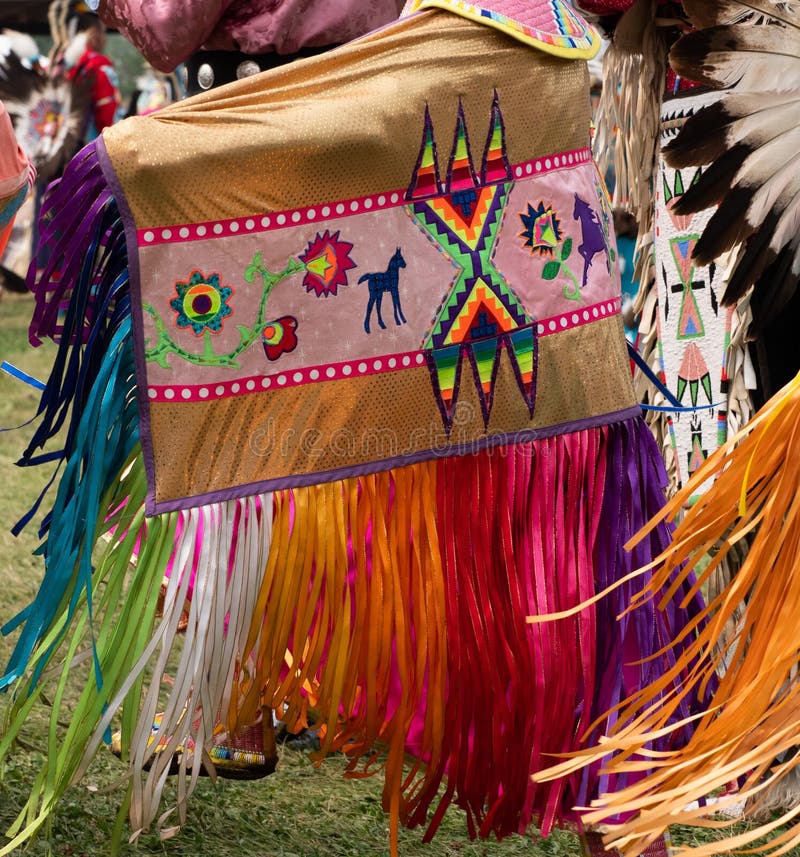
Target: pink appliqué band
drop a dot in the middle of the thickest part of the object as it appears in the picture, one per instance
(355, 368)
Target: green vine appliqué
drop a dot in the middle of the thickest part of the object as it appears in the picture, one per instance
(165, 345)
(558, 267)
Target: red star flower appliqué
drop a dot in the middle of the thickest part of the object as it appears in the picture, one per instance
(327, 261)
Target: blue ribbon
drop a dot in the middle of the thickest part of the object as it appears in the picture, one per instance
(21, 376)
(674, 407)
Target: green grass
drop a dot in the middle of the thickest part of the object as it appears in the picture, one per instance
(19, 571)
(300, 811)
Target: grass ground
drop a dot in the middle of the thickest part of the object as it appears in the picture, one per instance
(300, 811)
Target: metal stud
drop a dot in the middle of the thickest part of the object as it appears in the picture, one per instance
(247, 69)
(205, 76)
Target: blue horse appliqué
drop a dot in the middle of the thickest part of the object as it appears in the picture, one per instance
(593, 239)
(385, 281)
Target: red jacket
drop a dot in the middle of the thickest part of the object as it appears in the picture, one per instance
(98, 70)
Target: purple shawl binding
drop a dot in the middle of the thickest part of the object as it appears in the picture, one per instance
(134, 279)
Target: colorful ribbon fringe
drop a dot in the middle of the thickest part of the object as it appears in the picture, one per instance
(398, 599)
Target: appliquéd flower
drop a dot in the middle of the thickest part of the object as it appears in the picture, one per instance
(202, 303)
(279, 337)
(542, 232)
(327, 261)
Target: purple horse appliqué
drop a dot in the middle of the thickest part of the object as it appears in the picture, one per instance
(593, 239)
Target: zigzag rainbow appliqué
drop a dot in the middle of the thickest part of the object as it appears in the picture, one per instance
(480, 310)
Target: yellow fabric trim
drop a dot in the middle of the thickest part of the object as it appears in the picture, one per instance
(585, 53)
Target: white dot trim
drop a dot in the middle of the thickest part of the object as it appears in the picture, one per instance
(243, 386)
(346, 207)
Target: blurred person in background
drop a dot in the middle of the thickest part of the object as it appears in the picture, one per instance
(79, 41)
(56, 104)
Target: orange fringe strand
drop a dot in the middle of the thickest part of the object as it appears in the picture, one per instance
(751, 641)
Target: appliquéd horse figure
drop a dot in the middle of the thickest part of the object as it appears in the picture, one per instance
(385, 281)
(593, 238)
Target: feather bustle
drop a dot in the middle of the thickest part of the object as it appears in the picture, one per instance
(709, 13)
(751, 139)
(760, 59)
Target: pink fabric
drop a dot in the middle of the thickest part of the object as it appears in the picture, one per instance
(98, 70)
(168, 32)
(15, 173)
(13, 161)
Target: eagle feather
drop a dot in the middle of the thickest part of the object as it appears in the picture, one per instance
(750, 49)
